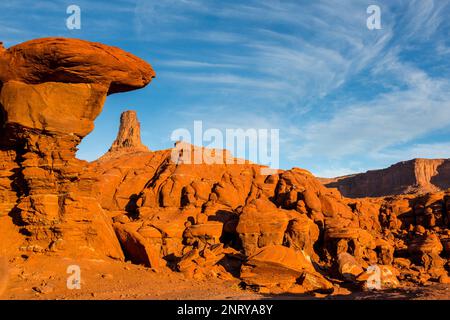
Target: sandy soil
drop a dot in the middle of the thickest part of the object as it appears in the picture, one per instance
(45, 277)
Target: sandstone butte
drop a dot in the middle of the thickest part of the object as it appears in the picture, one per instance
(278, 233)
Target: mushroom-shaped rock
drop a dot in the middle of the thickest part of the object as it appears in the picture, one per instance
(74, 61)
(52, 90)
(59, 85)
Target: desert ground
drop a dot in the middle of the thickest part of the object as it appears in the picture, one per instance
(113, 280)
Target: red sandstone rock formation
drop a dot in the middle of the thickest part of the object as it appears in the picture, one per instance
(4, 275)
(416, 176)
(129, 136)
(280, 233)
(284, 232)
(74, 61)
(51, 92)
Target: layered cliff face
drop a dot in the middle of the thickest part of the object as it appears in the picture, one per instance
(416, 176)
(51, 92)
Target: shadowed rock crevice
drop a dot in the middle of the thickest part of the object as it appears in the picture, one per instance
(442, 177)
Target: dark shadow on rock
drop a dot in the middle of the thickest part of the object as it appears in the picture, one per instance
(388, 294)
(442, 178)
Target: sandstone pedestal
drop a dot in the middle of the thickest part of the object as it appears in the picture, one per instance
(51, 92)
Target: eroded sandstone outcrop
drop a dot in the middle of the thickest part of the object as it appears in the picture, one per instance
(129, 136)
(51, 92)
(283, 232)
(65, 60)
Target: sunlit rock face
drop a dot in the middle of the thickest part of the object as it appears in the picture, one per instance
(417, 176)
(52, 90)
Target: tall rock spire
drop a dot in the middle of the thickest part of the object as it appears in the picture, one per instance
(129, 135)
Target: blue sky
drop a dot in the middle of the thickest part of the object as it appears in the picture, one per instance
(345, 98)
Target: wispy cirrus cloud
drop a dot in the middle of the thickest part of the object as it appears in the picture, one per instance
(392, 118)
(418, 150)
(341, 91)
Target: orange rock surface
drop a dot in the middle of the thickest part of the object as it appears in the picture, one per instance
(129, 135)
(181, 210)
(74, 61)
(278, 233)
(51, 92)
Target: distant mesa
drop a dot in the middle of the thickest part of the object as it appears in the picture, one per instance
(415, 176)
